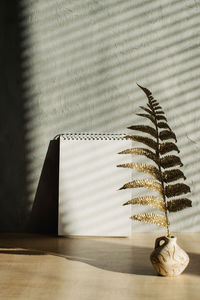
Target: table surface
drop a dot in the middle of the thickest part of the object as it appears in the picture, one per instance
(92, 268)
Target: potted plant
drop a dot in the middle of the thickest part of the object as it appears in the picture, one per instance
(167, 258)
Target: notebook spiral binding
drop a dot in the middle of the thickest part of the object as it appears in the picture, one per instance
(90, 136)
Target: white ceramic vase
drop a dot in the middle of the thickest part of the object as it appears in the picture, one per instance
(168, 258)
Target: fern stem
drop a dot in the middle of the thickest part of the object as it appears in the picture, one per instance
(159, 167)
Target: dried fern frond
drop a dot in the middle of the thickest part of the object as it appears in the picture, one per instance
(176, 190)
(147, 141)
(161, 132)
(151, 218)
(172, 175)
(178, 204)
(166, 135)
(141, 151)
(144, 183)
(153, 201)
(168, 147)
(144, 128)
(141, 167)
(170, 161)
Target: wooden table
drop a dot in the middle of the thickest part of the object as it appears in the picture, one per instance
(44, 267)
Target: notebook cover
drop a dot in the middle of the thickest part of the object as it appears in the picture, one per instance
(90, 203)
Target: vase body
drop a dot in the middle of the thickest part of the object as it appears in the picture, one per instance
(168, 258)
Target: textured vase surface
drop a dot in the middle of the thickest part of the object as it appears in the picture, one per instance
(168, 258)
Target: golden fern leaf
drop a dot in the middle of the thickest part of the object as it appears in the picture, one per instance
(163, 125)
(169, 161)
(172, 175)
(166, 135)
(178, 204)
(149, 169)
(152, 218)
(141, 151)
(150, 117)
(176, 190)
(144, 183)
(147, 141)
(153, 201)
(144, 128)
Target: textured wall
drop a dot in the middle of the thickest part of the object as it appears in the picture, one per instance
(80, 61)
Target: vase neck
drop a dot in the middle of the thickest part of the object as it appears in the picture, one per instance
(172, 239)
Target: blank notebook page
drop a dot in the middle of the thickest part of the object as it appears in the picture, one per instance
(90, 202)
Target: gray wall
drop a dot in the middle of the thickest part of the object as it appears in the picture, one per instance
(72, 66)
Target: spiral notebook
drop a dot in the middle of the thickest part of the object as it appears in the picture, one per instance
(90, 203)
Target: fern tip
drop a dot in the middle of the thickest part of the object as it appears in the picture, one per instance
(145, 90)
